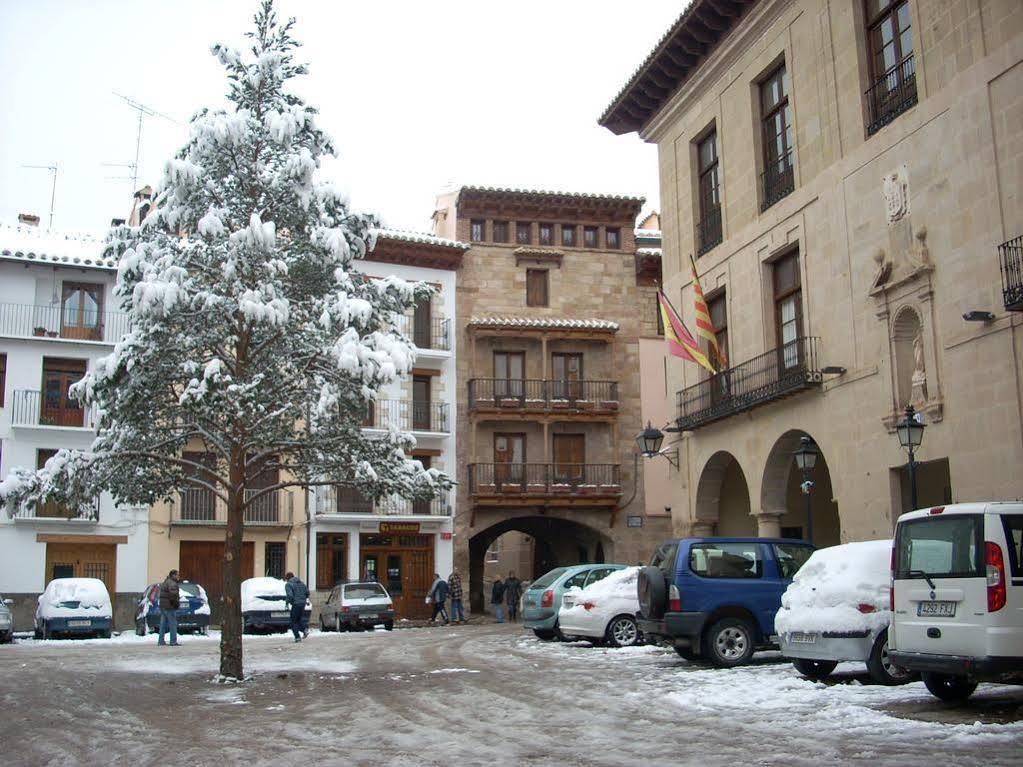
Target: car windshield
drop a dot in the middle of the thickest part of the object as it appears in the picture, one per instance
(547, 579)
(188, 589)
(364, 591)
(940, 547)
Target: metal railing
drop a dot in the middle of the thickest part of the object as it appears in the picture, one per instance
(28, 409)
(198, 506)
(537, 394)
(437, 337)
(892, 94)
(777, 181)
(708, 230)
(544, 479)
(55, 510)
(1010, 261)
(771, 376)
(408, 415)
(339, 499)
(49, 321)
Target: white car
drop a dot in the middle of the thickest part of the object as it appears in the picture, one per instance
(6, 621)
(356, 606)
(957, 595)
(836, 609)
(264, 607)
(72, 606)
(603, 611)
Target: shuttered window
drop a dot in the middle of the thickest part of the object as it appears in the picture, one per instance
(536, 287)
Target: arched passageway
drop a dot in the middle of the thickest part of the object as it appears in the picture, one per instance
(783, 502)
(722, 499)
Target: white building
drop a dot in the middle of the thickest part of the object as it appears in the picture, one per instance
(58, 316)
(398, 542)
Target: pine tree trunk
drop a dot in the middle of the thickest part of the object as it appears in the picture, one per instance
(231, 621)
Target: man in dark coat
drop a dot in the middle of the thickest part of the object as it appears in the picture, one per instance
(512, 594)
(170, 601)
(295, 595)
(497, 599)
(455, 592)
(438, 595)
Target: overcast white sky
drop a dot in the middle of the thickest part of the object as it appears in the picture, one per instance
(418, 96)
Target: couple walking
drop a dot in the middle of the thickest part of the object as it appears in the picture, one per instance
(439, 593)
(506, 592)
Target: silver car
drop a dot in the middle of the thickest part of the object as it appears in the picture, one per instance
(6, 621)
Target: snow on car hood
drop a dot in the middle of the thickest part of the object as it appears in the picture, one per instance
(70, 597)
(825, 592)
(616, 593)
(254, 591)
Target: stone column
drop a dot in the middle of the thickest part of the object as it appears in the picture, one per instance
(769, 524)
(703, 528)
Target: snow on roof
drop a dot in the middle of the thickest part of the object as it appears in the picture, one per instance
(553, 193)
(648, 252)
(545, 322)
(641, 233)
(29, 243)
(420, 237)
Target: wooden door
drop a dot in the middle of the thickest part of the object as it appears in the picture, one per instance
(509, 458)
(83, 560)
(203, 562)
(331, 555)
(568, 375)
(51, 509)
(569, 458)
(421, 403)
(82, 311)
(422, 321)
(58, 407)
(509, 374)
(418, 579)
(422, 507)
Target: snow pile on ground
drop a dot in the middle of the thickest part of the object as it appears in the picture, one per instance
(616, 593)
(825, 592)
(75, 596)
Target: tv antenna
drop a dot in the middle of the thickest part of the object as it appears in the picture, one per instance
(53, 189)
(144, 111)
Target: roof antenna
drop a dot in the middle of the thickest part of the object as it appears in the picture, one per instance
(144, 111)
(53, 191)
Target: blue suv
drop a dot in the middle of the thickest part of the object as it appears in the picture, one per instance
(716, 598)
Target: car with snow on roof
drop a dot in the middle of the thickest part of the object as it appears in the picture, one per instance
(716, 598)
(6, 621)
(355, 606)
(193, 613)
(74, 607)
(603, 611)
(836, 609)
(541, 601)
(264, 607)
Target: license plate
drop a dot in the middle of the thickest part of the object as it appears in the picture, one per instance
(802, 637)
(79, 624)
(936, 609)
(530, 602)
(280, 614)
(369, 616)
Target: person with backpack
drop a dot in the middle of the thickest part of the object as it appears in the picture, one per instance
(497, 599)
(437, 596)
(295, 595)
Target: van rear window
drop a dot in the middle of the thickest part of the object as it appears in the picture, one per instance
(1014, 538)
(941, 547)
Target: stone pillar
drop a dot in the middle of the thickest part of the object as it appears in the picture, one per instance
(769, 524)
(703, 528)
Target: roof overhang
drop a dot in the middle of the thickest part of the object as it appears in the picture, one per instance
(541, 204)
(416, 249)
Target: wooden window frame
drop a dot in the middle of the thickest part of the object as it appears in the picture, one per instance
(523, 227)
(482, 224)
(78, 328)
(782, 294)
(568, 235)
(872, 23)
(591, 237)
(503, 388)
(62, 369)
(500, 231)
(719, 299)
(281, 546)
(613, 232)
(421, 420)
(532, 278)
(547, 229)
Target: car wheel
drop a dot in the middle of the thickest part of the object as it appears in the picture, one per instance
(881, 669)
(37, 632)
(948, 686)
(141, 627)
(388, 625)
(729, 642)
(815, 670)
(47, 634)
(623, 632)
(545, 634)
(686, 652)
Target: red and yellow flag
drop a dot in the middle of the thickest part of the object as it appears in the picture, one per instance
(680, 341)
(704, 326)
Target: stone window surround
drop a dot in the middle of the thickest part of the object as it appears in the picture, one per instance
(512, 224)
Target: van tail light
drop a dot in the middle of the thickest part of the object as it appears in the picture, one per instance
(865, 608)
(995, 577)
(891, 584)
(547, 600)
(589, 605)
(674, 599)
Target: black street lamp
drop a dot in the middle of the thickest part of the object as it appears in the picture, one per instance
(806, 459)
(911, 434)
(649, 442)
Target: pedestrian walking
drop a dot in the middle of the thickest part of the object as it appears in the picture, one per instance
(437, 596)
(170, 601)
(295, 595)
(455, 592)
(497, 599)
(512, 594)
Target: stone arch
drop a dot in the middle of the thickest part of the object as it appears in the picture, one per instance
(906, 329)
(722, 498)
(782, 503)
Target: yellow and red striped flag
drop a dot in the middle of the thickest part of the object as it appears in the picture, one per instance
(680, 341)
(704, 326)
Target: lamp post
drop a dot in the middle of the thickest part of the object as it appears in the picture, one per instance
(911, 434)
(806, 459)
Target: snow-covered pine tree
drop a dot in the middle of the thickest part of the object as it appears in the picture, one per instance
(252, 337)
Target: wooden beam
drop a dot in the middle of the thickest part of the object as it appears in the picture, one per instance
(58, 538)
(711, 20)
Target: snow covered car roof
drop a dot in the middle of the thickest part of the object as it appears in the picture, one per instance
(66, 597)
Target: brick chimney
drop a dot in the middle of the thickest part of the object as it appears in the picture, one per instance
(28, 219)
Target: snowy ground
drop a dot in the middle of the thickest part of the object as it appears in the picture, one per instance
(469, 695)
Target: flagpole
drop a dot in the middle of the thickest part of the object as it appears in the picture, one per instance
(668, 301)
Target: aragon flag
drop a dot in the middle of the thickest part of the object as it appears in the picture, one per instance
(680, 341)
(704, 327)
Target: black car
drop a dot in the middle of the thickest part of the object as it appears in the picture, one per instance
(193, 613)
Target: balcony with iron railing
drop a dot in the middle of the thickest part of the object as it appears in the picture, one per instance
(200, 507)
(561, 399)
(708, 230)
(549, 484)
(51, 321)
(339, 499)
(58, 512)
(779, 373)
(432, 335)
(29, 409)
(893, 93)
(777, 181)
(1010, 262)
(408, 415)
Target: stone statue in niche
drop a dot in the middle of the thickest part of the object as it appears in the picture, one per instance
(895, 188)
(919, 255)
(918, 389)
(884, 269)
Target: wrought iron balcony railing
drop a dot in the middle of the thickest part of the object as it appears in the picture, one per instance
(338, 499)
(433, 335)
(545, 479)
(55, 510)
(778, 373)
(892, 94)
(29, 408)
(49, 321)
(408, 415)
(1010, 261)
(777, 181)
(532, 394)
(708, 230)
(198, 506)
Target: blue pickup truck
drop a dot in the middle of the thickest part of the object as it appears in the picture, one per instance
(715, 598)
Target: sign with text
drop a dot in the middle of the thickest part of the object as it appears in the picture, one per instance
(391, 528)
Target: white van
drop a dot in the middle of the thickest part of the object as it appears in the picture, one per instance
(957, 596)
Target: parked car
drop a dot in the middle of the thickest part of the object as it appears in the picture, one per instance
(353, 606)
(193, 613)
(263, 605)
(716, 598)
(542, 600)
(6, 621)
(603, 611)
(836, 609)
(957, 596)
(71, 606)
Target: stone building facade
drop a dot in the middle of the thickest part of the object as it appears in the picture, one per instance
(552, 302)
(847, 177)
